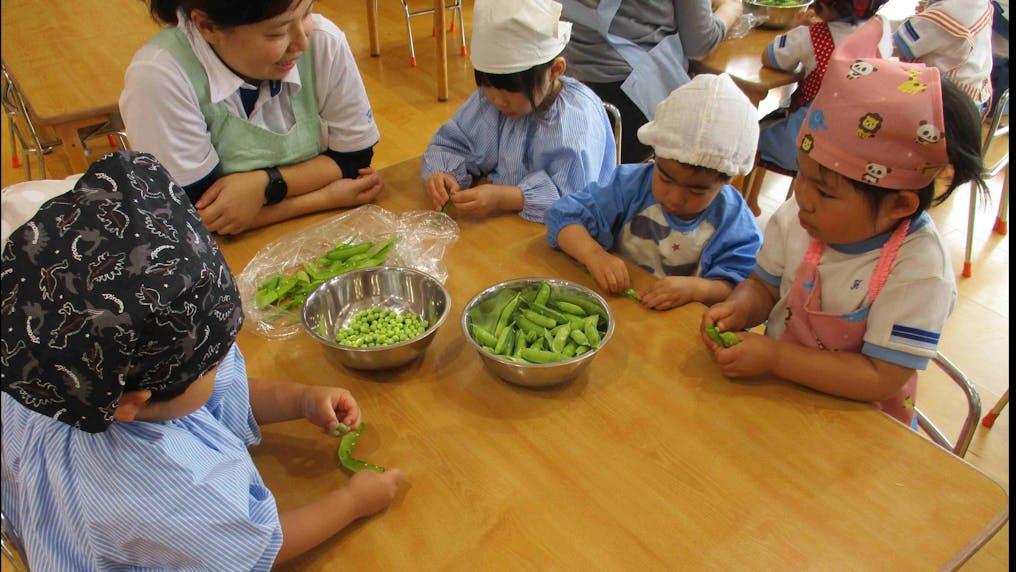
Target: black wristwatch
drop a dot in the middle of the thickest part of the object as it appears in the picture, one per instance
(276, 188)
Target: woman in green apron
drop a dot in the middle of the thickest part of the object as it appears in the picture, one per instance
(255, 107)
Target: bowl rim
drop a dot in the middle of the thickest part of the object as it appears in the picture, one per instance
(525, 280)
(330, 343)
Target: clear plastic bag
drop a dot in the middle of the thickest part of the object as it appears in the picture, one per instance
(745, 24)
(422, 239)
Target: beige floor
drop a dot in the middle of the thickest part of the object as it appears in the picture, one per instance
(976, 337)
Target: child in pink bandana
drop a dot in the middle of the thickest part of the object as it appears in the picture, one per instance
(853, 278)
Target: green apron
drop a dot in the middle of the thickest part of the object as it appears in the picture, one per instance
(241, 145)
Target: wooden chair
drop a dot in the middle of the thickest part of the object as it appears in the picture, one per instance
(962, 443)
(995, 131)
(34, 137)
(11, 546)
(989, 419)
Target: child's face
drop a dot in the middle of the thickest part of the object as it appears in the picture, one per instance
(832, 209)
(263, 50)
(684, 191)
(514, 105)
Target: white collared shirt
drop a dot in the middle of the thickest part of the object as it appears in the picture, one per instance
(163, 117)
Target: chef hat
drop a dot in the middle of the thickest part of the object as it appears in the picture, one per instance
(510, 36)
(875, 120)
(707, 122)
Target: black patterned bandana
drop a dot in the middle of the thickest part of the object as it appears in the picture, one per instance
(115, 286)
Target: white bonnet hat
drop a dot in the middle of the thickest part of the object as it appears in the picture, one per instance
(510, 36)
(708, 122)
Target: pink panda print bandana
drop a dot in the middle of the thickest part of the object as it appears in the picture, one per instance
(874, 120)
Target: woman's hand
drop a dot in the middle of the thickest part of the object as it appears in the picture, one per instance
(327, 406)
(230, 205)
(440, 187)
(354, 192)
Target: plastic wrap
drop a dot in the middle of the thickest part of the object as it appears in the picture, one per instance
(422, 237)
(745, 24)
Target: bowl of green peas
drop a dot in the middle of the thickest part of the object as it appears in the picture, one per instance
(377, 318)
(779, 14)
(537, 332)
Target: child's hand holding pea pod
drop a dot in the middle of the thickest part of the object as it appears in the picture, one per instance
(725, 339)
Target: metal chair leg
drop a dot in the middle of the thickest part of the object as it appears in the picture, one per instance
(409, 31)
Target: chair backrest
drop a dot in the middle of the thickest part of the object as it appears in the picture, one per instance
(962, 443)
(614, 114)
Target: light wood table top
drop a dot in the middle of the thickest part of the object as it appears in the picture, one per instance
(68, 63)
(650, 460)
(741, 58)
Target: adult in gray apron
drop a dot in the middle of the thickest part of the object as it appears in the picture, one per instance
(633, 54)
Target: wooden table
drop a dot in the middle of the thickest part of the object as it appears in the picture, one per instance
(650, 460)
(69, 63)
(440, 22)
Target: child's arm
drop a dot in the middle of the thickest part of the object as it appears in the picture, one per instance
(746, 307)
(844, 374)
(324, 406)
(610, 272)
(367, 493)
(674, 291)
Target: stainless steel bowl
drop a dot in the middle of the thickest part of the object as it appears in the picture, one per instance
(537, 375)
(778, 17)
(331, 307)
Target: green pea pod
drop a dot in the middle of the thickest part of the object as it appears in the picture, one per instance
(569, 349)
(264, 298)
(539, 319)
(542, 356)
(506, 314)
(543, 294)
(504, 341)
(585, 303)
(561, 338)
(577, 322)
(579, 337)
(520, 344)
(569, 308)
(729, 339)
(630, 293)
(482, 336)
(528, 325)
(551, 313)
(346, 452)
(592, 334)
(714, 334)
(538, 344)
(347, 252)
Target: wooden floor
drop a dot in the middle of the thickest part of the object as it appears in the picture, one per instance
(976, 338)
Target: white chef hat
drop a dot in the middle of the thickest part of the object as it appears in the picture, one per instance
(708, 122)
(510, 36)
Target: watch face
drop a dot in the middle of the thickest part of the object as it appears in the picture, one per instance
(276, 189)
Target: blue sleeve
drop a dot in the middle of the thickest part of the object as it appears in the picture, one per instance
(230, 401)
(466, 145)
(576, 152)
(730, 253)
(603, 207)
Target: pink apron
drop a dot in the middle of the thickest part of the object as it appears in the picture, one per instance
(809, 326)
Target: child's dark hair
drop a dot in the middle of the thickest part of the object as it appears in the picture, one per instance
(225, 13)
(963, 146)
(527, 81)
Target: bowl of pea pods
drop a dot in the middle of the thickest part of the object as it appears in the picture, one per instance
(537, 332)
(376, 318)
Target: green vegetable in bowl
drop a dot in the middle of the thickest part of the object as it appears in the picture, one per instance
(536, 324)
(377, 326)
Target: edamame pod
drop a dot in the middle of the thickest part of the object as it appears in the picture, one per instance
(542, 356)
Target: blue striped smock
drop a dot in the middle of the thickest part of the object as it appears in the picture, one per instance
(547, 157)
(180, 495)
